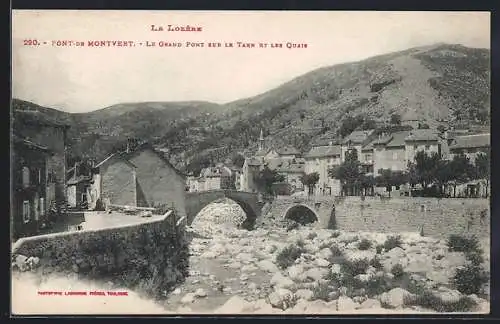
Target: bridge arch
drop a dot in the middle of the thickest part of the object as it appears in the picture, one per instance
(301, 214)
(248, 202)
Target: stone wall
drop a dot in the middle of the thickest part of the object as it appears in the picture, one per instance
(149, 257)
(440, 217)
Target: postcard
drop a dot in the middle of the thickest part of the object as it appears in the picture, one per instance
(250, 162)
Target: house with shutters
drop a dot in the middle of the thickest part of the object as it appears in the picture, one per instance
(28, 186)
(320, 159)
(140, 177)
(471, 145)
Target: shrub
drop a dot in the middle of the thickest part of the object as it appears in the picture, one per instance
(475, 258)
(335, 234)
(332, 277)
(364, 244)
(397, 271)
(460, 243)
(376, 286)
(379, 248)
(355, 267)
(429, 300)
(470, 279)
(312, 236)
(375, 262)
(289, 254)
(321, 291)
(336, 251)
(392, 242)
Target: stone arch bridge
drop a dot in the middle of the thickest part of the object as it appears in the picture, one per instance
(252, 204)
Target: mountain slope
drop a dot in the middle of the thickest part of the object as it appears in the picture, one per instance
(431, 84)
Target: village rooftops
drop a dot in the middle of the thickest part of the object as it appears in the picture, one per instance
(471, 141)
(358, 137)
(291, 168)
(127, 155)
(253, 161)
(422, 135)
(288, 151)
(323, 151)
(215, 172)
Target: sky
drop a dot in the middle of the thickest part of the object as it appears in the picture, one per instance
(81, 79)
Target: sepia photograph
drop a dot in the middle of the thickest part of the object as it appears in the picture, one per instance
(250, 162)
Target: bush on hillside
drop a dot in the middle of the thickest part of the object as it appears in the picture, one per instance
(461, 243)
(364, 244)
(392, 242)
(288, 255)
(470, 279)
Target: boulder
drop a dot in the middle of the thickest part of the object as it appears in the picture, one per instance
(370, 303)
(448, 295)
(244, 257)
(305, 294)
(418, 263)
(188, 298)
(316, 273)
(267, 265)
(200, 293)
(353, 255)
(280, 281)
(325, 253)
(235, 305)
(321, 263)
(346, 304)
(336, 268)
(394, 298)
(280, 298)
(296, 272)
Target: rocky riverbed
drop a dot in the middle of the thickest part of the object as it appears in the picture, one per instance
(317, 271)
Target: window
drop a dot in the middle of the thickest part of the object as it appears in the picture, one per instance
(26, 211)
(35, 209)
(26, 177)
(42, 206)
(39, 175)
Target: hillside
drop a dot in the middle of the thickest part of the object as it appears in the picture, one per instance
(433, 84)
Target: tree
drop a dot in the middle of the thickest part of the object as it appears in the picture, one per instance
(349, 172)
(238, 160)
(426, 167)
(461, 169)
(367, 183)
(265, 179)
(395, 119)
(310, 180)
(482, 168)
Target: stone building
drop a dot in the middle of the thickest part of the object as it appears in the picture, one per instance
(28, 187)
(471, 145)
(320, 159)
(140, 177)
(46, 132)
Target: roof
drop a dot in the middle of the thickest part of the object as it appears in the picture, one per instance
(471, 141)
(358, 136)
(217, 171)
(74, 180)
(289, 150)
(291, 168)
(111, 157)
(323, 151)
(423, 135)
(261, 152)
(29, 144)
(253, 161)
(398, 139)
(382, 140)
(367, 147)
